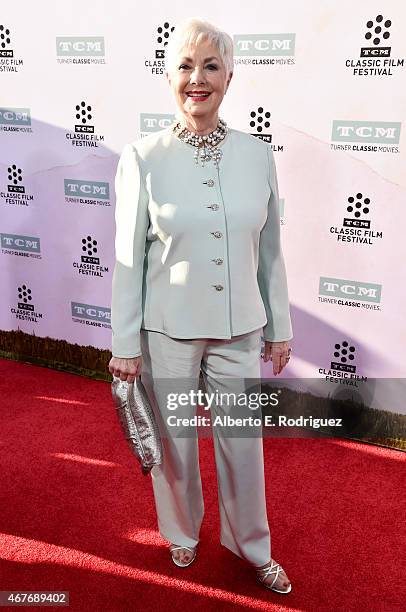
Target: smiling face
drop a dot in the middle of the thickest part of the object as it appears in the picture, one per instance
(199, 81)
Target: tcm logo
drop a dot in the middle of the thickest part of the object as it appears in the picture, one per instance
(28, 244)
(91, 313)
(344, 356)
(15, 116)
(25, 296)
(164, 33)
(5, 41)
(337, 287)
(259, 121)
(264, 44)
(154, 122)
(15, 176)
(366, 131)
(87, 189)
(79, 46)
(377, 32)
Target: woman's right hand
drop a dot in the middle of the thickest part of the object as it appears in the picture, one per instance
(126, 368)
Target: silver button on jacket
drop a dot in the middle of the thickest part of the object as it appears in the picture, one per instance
(164, 275)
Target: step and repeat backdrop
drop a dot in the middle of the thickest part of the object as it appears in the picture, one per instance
(322, 82)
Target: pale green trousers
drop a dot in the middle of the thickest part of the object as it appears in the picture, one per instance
(173, 366)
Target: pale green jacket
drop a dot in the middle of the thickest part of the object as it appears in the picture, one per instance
(198, 251)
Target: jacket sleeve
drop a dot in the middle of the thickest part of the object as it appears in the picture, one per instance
(271, 276)
(131, 216)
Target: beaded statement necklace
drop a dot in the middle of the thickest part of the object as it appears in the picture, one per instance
(206, 146)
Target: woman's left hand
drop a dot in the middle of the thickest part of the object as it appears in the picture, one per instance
(279, 353)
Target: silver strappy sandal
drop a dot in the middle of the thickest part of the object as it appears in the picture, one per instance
(276, 569)
(191, 550)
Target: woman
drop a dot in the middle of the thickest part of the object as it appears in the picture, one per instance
(199, 276)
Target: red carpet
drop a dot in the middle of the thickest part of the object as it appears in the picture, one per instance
(77, 515)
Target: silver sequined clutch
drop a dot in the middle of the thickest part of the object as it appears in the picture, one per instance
(138, 422)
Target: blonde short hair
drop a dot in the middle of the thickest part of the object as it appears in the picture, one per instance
(190, 32)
